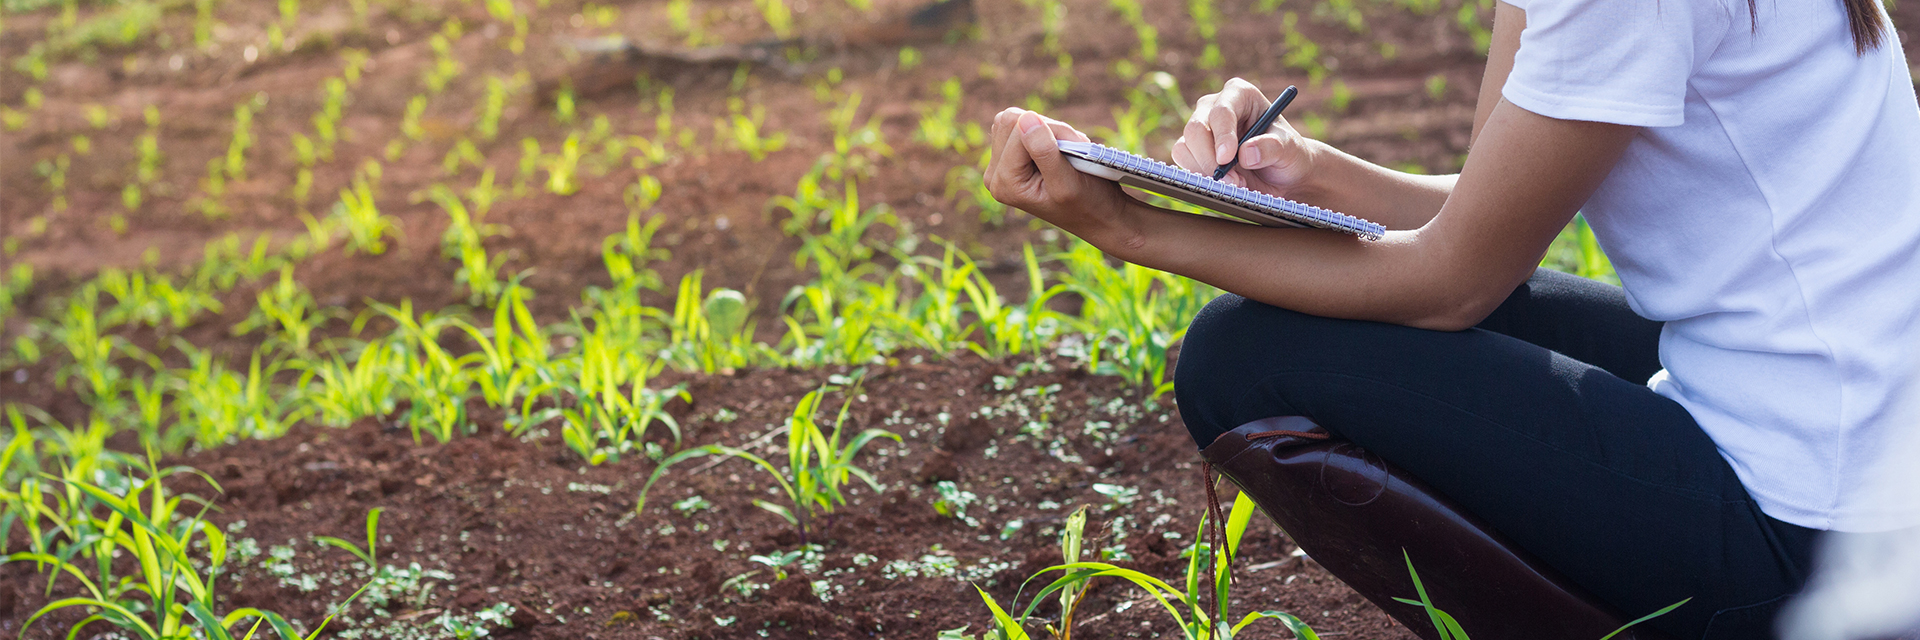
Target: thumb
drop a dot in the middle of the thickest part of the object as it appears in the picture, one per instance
(1038, 138)
(1268, 150)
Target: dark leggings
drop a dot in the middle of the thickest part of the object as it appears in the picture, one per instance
(1538, 421)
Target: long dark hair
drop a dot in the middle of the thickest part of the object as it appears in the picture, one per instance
(1863, 18)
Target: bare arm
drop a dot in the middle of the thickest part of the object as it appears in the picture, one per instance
(1523, 182)
(1525, 178)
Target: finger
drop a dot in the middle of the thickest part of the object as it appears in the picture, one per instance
(1064, 131)
(1003, 127)
(1247, 103)
(1198, 140)
(1012, 169)
(1042, 146)
(1243, 98)
(1269, 150)
(1183, 158)
(1225, 125)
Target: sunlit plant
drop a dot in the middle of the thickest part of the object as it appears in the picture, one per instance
(819, 464)
(1207, 576)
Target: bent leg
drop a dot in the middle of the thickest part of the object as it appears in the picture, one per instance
(1599, 477)
(1583, 319)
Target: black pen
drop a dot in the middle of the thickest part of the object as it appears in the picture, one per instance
(1259, 126)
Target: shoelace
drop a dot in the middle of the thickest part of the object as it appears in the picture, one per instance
(1217, 530)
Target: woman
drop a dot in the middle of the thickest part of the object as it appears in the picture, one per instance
(1753, 171)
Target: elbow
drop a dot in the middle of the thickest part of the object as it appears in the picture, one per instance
(1459, 308)
(1456, 317)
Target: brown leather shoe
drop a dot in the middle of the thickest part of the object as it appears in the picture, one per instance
(1353, 513)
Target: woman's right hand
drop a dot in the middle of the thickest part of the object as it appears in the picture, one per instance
(1279, 161)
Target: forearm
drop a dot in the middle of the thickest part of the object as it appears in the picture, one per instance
(1350, 185)
(1323, 273)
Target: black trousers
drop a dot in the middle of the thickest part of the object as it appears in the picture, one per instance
(1538, 421)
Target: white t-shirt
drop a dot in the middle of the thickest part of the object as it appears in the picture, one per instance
(1769, 213)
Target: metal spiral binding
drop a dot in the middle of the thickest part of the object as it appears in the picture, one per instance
(1161, 172)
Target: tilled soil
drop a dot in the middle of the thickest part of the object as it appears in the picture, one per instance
(525, 522)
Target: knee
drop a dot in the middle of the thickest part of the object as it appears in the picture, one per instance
(1219, 353)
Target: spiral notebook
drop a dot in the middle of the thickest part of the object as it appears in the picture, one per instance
(1174, 182)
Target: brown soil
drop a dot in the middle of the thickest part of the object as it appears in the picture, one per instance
(497, 512)
(1392, 119)
(525, 523)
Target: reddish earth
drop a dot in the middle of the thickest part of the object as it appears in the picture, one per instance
(496, 512)
(527, 524)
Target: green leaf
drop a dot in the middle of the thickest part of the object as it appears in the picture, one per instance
(1663, 611)
(1237, 521)
(1006, 627)
(209, 624)
(1296, 625)
(778, 510)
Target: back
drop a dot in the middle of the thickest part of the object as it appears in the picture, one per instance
(1769, 213)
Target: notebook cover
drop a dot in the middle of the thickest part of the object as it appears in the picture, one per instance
(1180, 184)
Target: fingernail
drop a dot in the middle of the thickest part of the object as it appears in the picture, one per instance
(1250, 155)
(1028, 122)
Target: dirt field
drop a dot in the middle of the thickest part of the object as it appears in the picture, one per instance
(527, 524)
(492, 519)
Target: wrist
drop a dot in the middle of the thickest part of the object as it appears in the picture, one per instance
(1327, 169)
(1124, 235)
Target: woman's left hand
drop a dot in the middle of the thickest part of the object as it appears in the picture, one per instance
(1029, 172)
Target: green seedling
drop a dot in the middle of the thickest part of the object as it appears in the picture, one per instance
(779, 18)
(366, 227)
(465, 237)
(1450, 629)
(152, 299)
(680, 14)
(516, 359)
(1131, 314)
(224, 265)
(445, 66)
(1206, 574)
(953, 502)
(289, 312)
(818, 464)
(604, 422)
(1577, 251)
(969, 181)
(778, 561)
(561, 168)
(850, 136)
(435, 380)
(1148, 51)
(19, 281)
(410, 121)
(326, 123)
(171, 595)
(55, 173)
(348, 385)
(743, 128)
(1011, 330)
(118, 27)
(236, 158)
(712, 333)
(1341, 12)
(91, 353)
(1206, 25)
(564, 104)
(1301, 52)
(215, 405)
(939, 125)
(495, 104)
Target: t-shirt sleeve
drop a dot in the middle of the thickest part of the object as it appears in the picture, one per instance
(1619, 61)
